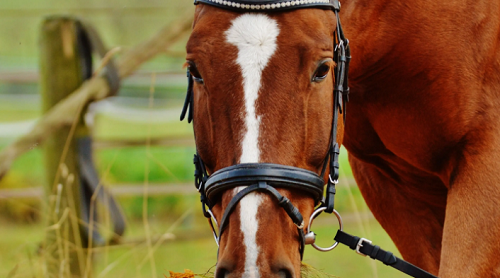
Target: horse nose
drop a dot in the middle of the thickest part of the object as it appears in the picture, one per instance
(225, 267)
(224, 273)
(225, 270)
(285, 273)
(221, 272)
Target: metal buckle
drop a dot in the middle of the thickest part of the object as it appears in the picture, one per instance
(310, 236)
(332, 180)
(360, 244)
(339, 45)
(301, 226)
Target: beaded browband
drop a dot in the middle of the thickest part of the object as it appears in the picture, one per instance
(271, 5)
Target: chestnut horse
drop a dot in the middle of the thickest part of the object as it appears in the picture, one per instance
(421, 128)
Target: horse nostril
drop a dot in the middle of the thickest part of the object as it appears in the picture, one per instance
(221, 273)
(285, 273)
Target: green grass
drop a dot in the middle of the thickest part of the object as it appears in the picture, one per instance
(10, 115)
(112, 128)
(193, 249)
(120, 22)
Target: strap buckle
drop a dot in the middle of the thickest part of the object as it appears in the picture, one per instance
(360, 244)
(336, 181)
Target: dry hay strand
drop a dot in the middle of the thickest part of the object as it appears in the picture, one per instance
(189, 274)
(306, 271)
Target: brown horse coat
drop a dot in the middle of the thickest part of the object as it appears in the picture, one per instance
(423, 128)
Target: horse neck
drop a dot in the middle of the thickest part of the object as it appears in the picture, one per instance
(364, 26)
(378, 29)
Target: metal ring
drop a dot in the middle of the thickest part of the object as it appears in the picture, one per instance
(311, 219)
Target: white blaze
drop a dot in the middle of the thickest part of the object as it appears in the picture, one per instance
(255, 37)
(249, 226)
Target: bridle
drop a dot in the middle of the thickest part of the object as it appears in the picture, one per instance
(266, 177)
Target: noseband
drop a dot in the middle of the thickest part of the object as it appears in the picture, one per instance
(266, 177)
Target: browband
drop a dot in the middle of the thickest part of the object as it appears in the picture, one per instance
(275, 175)
(271, 5)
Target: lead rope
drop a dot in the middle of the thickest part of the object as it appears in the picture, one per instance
(364, 247)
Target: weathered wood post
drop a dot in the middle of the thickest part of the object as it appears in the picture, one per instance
(62, 71)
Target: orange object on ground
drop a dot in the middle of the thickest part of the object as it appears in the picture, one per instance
(187, 274)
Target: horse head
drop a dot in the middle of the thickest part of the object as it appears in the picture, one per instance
(264, 114)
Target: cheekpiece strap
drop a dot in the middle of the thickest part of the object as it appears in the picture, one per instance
(342, 57)
(188, 102)
(200, 179)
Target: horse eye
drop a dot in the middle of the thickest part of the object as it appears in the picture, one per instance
(195, 73)
(321, 72)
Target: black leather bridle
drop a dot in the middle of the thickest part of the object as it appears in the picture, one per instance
(266, 177)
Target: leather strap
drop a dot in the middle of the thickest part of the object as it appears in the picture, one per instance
(270, 5)
(188, 102)
(276, 175)
(377, 253)
(283, 202)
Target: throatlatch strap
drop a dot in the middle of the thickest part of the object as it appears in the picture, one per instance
(377, 253)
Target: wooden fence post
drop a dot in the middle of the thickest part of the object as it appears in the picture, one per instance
(62, 71)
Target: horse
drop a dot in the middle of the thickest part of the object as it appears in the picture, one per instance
(420, 129)
(423, 129)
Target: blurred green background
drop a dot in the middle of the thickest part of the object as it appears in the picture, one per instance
(174, 223)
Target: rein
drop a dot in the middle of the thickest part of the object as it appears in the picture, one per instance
(266, 177)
